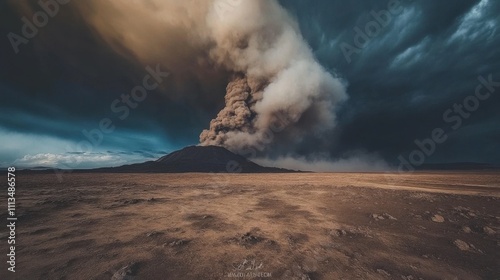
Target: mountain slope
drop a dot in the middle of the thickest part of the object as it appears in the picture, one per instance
(203, 159)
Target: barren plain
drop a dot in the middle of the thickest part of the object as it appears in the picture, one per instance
(440, 225)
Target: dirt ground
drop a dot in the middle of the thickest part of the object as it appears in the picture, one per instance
(256, 226)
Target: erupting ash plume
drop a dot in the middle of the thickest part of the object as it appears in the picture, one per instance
(238, 114)
(275, 81)
(280, 83)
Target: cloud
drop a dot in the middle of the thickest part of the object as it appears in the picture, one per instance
(426, 60)
(254, 39)
(62, 160)
(360, 163)
(36, 149)
(81, 160)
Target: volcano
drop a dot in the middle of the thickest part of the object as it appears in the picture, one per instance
(197, 159)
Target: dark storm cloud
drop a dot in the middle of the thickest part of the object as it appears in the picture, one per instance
(427, 59)
(401, 82)
(65, 79)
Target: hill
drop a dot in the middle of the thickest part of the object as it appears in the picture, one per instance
(202, 159)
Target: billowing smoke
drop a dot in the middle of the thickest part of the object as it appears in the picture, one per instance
(275, 83)
(280, 87)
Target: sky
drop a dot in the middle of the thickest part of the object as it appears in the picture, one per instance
(421, 78)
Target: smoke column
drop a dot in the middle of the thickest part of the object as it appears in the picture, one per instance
(279, 81)
(275, 81)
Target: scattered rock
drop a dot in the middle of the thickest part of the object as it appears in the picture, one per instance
(437, 218)
(153, 233)
(125, 273)
(248, 239)
(489, 231)
(377, 217)
(390, 217)
(178, 243)
(462, 245)
(466, 229)
(382, 217)
(383, 272)
(464, 216)
(304, 277)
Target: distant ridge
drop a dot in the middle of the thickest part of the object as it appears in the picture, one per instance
(457, 166)
(196, 159)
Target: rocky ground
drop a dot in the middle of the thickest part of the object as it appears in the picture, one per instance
(263, 226)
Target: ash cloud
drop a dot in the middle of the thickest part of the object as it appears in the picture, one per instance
(275, 77)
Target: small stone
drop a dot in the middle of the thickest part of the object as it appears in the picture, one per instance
(466, 229)
(381, 216)
(383, 272)
(489, 231)
(437, 219)
(125, 273)
(335, 233)
(177, 243)
(152, 233)
(462, 245)
(465, 216)
(390, 217)
(305, 277)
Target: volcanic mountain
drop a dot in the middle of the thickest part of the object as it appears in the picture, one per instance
(202, 159)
